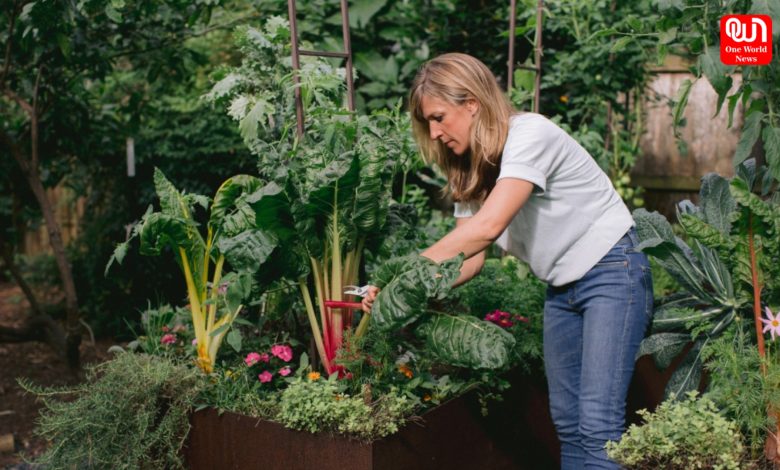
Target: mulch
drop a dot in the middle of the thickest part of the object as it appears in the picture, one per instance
(37, 363)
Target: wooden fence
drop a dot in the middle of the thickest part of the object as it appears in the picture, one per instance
(69, 211)
(667, 174)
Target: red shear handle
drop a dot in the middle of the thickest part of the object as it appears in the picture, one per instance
(340, 304)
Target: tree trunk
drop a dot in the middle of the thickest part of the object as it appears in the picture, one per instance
(39, 326)
(31, 173)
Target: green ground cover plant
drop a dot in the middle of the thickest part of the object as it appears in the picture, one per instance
(683, 434)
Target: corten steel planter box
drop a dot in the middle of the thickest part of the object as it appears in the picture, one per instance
(453, 436)
(517, 434)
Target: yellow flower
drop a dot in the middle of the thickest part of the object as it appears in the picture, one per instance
(564, 99)
(314, 376)
(404, 369)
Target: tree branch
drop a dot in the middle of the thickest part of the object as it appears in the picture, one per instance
(27, 107)
(7, 63)
(34, 122)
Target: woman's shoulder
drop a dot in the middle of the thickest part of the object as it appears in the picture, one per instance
(532, 127)
(525, 120)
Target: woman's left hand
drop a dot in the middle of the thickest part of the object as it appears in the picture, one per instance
(369, 298)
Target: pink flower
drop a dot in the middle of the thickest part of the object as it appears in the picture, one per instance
(194, 341)
(265, 358)
(265, 376)
(168, 339)
(500, 318)
(285, 371)
(771, 323)
(252, 359)
(282, 351)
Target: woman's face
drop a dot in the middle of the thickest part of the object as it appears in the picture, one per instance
(450, 123)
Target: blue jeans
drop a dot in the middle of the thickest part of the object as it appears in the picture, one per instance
(592, 331)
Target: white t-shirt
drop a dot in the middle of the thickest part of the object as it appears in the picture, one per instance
(574, 215)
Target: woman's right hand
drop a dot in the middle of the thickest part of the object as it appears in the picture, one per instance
(369, 298)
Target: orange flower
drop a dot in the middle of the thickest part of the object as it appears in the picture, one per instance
(426, 397)
(314, 376)
(404, 369)
(564, 99)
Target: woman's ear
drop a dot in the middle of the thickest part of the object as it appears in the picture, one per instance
(472, 105)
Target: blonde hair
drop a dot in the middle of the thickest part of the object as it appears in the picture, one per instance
(456, 78)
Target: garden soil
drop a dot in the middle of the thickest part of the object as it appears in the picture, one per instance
(37, 363)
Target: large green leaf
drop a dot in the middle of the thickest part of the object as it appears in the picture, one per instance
(717, 275)
(171, 200)
(373, 193)
(652, 228)
(248, 250)
(688, 374)
(361, 12)
(657, 239)
(716, 72)
(272, 211)
(768, 212)
(230, 211)
(675, 317)
(405, 297)
(664, 347)
(697, 228)
(772, 149)
(159, 231)
(717, 203)
(751, 130)
(680, 103)
(323, 193)
(467, 341)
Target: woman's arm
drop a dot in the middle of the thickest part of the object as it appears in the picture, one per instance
(472, 266)
(478, 232)
(473, 234)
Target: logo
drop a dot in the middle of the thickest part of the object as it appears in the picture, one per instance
(746, 39)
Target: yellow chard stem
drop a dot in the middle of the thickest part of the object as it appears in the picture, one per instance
(206, 258)
(363, 325)
(315, 329)
(198, 321)
(212, 309)
(216, 341)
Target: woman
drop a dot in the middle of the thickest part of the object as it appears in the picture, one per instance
(520, 181)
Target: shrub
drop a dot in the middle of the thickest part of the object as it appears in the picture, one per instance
(680, 435)
(131, 413)
(316, 404)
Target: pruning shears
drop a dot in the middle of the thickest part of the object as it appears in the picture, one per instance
(359, 291)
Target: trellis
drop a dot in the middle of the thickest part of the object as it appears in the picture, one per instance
(347, 55)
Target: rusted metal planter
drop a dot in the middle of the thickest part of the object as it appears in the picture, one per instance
(453, 436)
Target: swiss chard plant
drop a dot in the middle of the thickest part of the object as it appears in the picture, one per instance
(327, 191)
(728, 265)
(407, 285)
(231, 237)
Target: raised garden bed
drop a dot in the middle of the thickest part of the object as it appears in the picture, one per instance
(517, 434)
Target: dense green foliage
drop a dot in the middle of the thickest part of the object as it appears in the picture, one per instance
(680, 435)
(133, 412)
(714, 270)
(323, 405)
